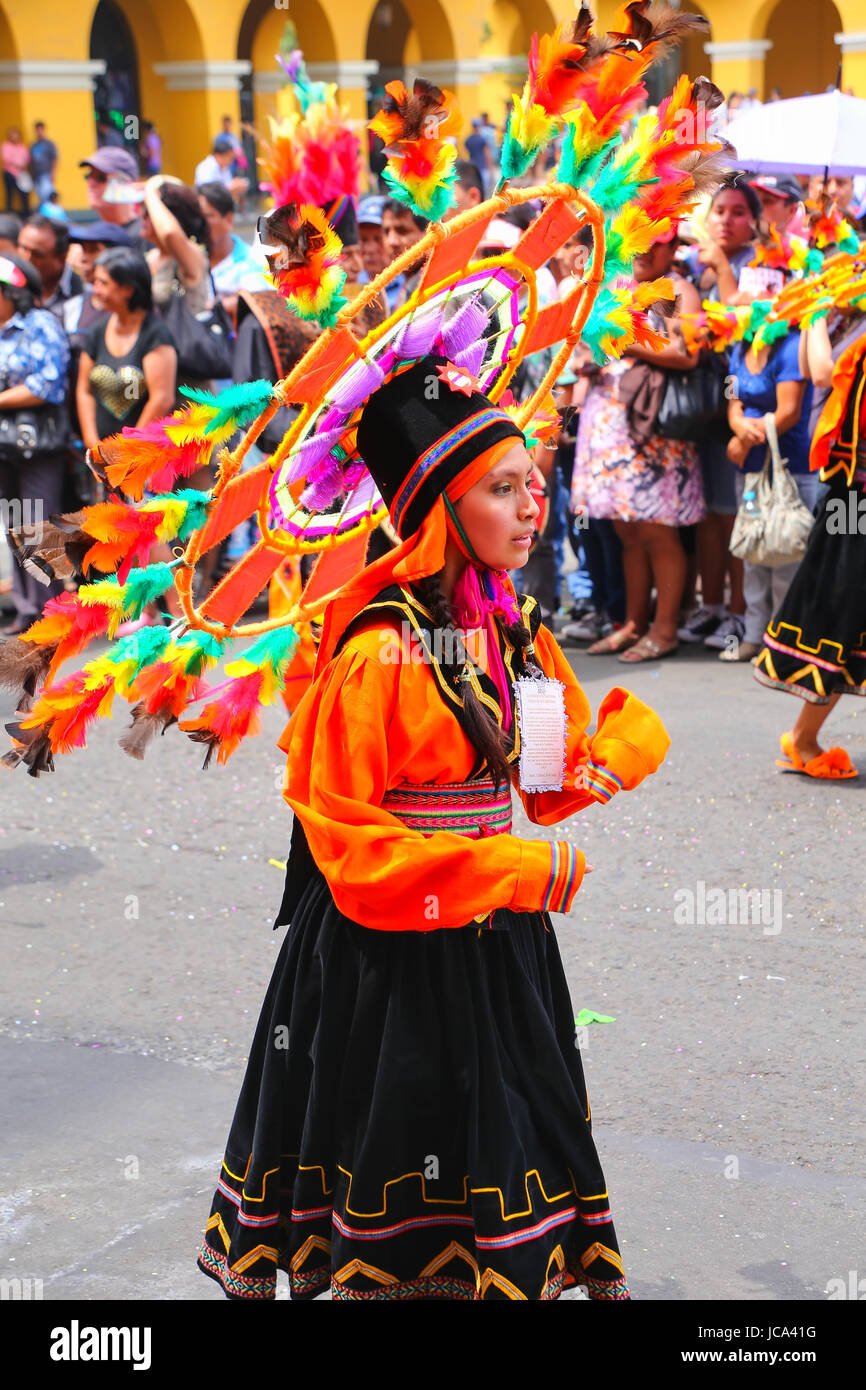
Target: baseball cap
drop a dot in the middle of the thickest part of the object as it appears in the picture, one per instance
(781, 185)
(501, 234)
(114, 162)
(370, 210)
(222, 144)
(107, 232)
(19, 272)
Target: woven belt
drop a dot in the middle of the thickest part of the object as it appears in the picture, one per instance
(465, 808)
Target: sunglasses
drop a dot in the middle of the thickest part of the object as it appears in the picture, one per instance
(93, 176)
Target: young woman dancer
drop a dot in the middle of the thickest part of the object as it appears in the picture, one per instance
(414, 1120)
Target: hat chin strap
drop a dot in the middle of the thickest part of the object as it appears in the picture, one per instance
(456, 532)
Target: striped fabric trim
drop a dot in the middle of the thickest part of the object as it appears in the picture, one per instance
(601, 781)
(562, 876)
(465, 430)
(464, 808)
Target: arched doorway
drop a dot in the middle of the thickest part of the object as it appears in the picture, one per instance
(116, 93)
(387, 40)
(794, 65)
(266, 30)
(10, 101)
(505, 40)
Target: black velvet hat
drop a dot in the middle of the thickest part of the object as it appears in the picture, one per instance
(341, 214)
(421, 429)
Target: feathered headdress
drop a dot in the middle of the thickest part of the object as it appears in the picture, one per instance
(313, 155)
(415, 128)
(478, 317)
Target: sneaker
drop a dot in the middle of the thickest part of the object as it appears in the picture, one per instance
(732, 625)
(743, 651)
(700, 625)
(589, 628)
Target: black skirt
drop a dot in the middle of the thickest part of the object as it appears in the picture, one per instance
(815, 645)
(413, 1123)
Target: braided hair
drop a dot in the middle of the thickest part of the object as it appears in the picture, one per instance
(488, 739)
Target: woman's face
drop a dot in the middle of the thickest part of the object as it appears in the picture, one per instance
(108, 295)
(656, 262)
(730, 223)
(498, 513)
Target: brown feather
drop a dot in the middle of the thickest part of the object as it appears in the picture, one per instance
(32, 747)
(208, 737)
(289, 240)
(59, 552)
(709, 171)
(660, 27)
(706, 94)
(143, 730)
(421, 103)
(24, 665)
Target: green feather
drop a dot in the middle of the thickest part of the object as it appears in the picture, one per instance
(599, 325)
(274, 649)
(440, 202)
(142, 647)
(774, 332)
(238, 404)
(583, 172)
(201, 647)
(144, 586)
(197, 504)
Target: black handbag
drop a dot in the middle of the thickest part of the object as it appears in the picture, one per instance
(693, 405)
(31, 430)
(202, 341)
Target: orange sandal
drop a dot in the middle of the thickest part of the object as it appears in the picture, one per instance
(831, 765)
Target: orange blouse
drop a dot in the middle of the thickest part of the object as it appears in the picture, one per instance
(375, 720)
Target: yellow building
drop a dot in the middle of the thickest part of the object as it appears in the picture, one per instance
(183, 64)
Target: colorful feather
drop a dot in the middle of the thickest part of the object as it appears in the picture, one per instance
(158, 453)
(421, 168)
(256, 679)
(236, 406)
(128, 600)
(303, 253)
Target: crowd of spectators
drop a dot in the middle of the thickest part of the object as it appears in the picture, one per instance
(635, 559)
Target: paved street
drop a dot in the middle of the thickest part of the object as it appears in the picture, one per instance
(136, 903)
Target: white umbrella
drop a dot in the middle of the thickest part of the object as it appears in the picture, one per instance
(803, 136)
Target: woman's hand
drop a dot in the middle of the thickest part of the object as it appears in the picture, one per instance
(711, 255)
(750, 431)
(737, 451)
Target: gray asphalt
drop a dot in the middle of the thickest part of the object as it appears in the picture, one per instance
(135, 908)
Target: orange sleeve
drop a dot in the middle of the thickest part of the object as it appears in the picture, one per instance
(630, 742)
(381, 873)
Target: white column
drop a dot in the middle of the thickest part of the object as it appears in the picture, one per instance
(203, 77)
(43, 75)
(738, 50)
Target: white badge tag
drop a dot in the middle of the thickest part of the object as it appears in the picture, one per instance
(541, 717)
